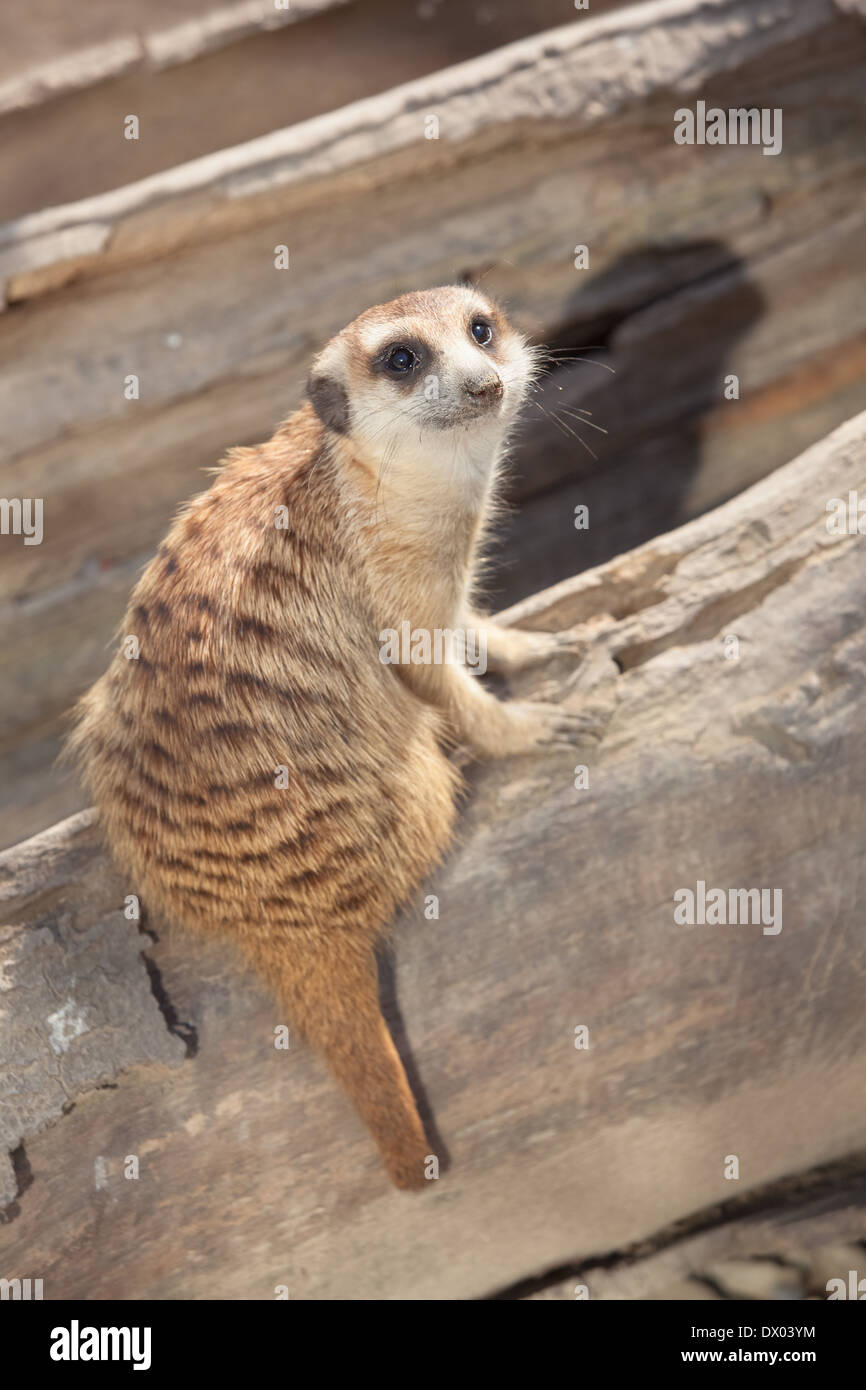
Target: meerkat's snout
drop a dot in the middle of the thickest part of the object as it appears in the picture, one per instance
(484, 390)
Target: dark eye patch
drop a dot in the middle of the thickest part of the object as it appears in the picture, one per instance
(401, 359)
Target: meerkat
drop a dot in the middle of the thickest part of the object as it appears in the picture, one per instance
(257, 768)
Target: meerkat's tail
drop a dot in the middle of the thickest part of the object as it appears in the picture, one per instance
(331, 994)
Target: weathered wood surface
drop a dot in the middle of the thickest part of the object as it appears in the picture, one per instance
(789, 1250)
(62, 139)
(51, 48)
(703, 262)
(576, 76)
(556, 910)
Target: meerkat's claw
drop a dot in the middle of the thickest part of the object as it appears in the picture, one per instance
(550, 693)
(558, 727)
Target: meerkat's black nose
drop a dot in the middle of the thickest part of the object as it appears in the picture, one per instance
(483, 389)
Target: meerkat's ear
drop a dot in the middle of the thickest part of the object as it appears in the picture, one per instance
(330, 400)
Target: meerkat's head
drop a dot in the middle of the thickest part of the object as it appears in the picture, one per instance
(432, 378)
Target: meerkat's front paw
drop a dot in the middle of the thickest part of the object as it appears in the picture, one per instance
(526, 726)
(520, 650)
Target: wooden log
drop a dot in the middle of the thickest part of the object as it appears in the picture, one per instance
(710, 760)
(52, 50)
(573, 77)
(62, 117)
(804, 1235)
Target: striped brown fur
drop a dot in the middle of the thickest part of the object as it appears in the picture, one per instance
(258, 649)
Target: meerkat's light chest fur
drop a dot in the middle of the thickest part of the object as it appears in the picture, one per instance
(259, 655)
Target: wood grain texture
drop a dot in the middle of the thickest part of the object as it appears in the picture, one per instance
(54, 49)
(557, 910)
(577, 75)
(71, 146)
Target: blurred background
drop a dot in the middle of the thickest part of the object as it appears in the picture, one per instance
(155, 157)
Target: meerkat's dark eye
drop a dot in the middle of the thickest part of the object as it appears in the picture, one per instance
(400, 360)
(481, 332)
